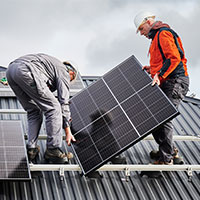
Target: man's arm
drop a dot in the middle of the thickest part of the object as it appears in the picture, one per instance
(170, 52)
(63, 97)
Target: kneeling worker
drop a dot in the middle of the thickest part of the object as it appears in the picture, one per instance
(34, 78)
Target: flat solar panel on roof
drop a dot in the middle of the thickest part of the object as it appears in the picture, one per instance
(13, 158)
(116, 112)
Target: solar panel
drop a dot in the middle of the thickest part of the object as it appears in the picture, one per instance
(13, 157)
(115, 113)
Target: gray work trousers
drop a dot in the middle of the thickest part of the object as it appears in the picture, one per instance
(36, 103)
(175, 89)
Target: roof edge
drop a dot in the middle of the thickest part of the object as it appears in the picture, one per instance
(191, 100)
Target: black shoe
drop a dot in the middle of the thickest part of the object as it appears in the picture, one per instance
(33, 152)
(94, 174)
(118, 160)
(176, 159)
(56, 156)
(154, 155)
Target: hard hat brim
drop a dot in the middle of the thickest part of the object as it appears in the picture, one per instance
(144, 21)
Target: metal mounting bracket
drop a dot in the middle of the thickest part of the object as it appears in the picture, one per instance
(62, 173)
(127, 173)
(189, 173)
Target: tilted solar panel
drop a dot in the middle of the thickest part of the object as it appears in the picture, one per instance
(116, 112)
(13, 158)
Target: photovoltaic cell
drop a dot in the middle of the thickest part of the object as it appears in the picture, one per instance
(13, 158)
(116, 112)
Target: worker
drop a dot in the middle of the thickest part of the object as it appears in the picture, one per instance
(34, 78)
(168, 69)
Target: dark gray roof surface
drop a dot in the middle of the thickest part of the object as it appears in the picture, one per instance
(173, 185)
(2, 68)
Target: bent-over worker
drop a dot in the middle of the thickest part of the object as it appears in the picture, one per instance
(34, 78)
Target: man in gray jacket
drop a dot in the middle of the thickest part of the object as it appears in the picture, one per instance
(34, 78)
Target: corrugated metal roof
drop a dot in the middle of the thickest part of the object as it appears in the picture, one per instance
(2, 68)
(173, 185)
(6, 91)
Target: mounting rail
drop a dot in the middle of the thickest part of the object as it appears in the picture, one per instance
(110, 167)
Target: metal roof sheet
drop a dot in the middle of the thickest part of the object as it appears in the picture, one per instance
(173, 185)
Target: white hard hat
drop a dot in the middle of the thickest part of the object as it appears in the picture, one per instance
(141, 17)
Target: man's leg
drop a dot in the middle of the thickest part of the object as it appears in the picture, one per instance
(175, 90)
(35, 101)
(164, 137)
(47, 103)
(34, 113)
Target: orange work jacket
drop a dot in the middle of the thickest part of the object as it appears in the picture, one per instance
(174, 64)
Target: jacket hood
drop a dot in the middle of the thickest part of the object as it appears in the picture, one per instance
(156, 26)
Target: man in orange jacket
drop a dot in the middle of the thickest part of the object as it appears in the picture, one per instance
(169, 70)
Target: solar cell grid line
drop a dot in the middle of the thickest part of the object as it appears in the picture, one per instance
(135, 73)
(100, 120)
(13, 158)
(126, 115)
(147, 90)
(134, 76)
(116, 112)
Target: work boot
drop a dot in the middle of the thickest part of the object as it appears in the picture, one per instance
(55, 156)
(154, 154)
(176, 158)
(118, 160)
(33, 152)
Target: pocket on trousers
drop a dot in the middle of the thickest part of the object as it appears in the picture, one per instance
(185, 86)
(180, 88)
